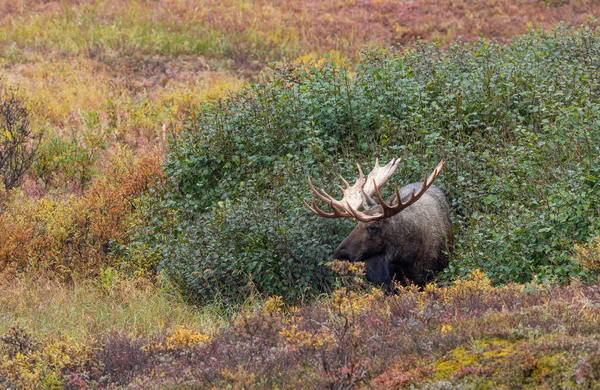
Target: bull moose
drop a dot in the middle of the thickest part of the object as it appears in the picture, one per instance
(406, 239)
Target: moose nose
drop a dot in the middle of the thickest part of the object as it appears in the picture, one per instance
(341, 253)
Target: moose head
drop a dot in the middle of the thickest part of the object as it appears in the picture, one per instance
(406, 238)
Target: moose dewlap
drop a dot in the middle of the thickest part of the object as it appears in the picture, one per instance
(406, 238)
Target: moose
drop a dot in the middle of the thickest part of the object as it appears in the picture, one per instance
(405, 239)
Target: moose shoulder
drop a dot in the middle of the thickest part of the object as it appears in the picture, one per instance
(406, 238)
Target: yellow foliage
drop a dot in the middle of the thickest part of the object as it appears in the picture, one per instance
(318, 60)
(446, 328)
(458, 358)
(476, 280)
(273, 304)
(479, 353)
(475, 283)
(547, 365)
(185, 336)
(350, 274)
(43, 366)
(305, 339)
(345, 305)
(588, 256)
(349, 302)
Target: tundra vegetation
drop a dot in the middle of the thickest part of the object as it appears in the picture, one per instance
(153, 232)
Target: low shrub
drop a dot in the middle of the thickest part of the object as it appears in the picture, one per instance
(527, 336)
(62, 235)
(588, 256)
(19, 141)
(68, 162)
(517, 124)
(468, 334)
(30, 363)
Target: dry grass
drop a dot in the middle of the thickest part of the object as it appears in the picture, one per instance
(266, 30)
(84, 309)
(132, 107)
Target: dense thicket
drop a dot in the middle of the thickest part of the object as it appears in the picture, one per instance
(518, 125)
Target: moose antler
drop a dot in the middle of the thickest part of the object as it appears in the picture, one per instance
(355, 196)
(361, 193)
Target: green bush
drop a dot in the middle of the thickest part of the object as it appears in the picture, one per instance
(518, 125)
(69, 161)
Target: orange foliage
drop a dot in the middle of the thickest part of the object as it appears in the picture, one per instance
(74, 234)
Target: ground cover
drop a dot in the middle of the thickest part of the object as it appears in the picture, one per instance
(469, 334)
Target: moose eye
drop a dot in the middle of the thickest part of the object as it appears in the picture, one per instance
(372, 230)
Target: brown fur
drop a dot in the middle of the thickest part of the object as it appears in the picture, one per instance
(410, 247)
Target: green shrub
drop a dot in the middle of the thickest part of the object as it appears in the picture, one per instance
(69, 161)
(518, 125)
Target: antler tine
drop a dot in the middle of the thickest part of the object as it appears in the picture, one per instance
(317, 193)
(378, 195)
(330, 199)
(427, 181)
(345, 182)
(398, 197)
(361, 174)
(436, 171)
(339, 209)
(359, 215)
(391, 210)
(415, 195)
(316, 210)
